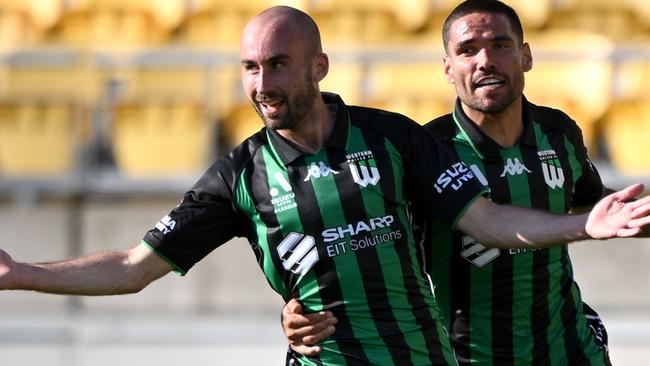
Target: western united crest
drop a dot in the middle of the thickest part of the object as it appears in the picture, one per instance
(552, 168)
(363, 168)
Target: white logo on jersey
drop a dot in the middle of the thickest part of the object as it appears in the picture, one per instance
(286, 200)
(317, 171)
(476, 253)
(514, 167)
(298, 253)
(283, 184)
(363, 173)
(552, 168)
(166, 225)
(455, 176)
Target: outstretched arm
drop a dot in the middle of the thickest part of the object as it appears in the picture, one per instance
(503, 226)
(304, 331)
(105, 273)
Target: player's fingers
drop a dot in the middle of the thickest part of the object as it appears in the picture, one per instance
(307, 350)
(628, 193)
(639, 223)
(315, 338)
(640, 207)
(627, 232)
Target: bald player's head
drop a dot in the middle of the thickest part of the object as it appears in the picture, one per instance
(285, 23)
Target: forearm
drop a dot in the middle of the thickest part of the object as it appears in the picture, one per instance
(106, 273)
(504, 226)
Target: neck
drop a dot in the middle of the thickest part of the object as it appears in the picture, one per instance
(311, 133)
(505, 127)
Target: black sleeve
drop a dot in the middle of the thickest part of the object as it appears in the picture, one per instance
(205, 219)
(443, 186)
(589, 187)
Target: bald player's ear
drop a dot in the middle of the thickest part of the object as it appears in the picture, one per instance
(321, 67)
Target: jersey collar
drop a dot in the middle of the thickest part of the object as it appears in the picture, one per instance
(289, 152)
(485, 145)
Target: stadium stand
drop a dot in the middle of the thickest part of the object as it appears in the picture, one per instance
(627, 125)
(572, 71)
(417, 89)
(163, 116)
(118, 24)
(46, 97)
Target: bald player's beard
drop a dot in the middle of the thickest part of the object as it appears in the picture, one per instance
(297, 107)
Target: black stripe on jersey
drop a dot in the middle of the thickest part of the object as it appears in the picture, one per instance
(331, 295)
(540, 317)
(369, 262)
(572, 342)
(502, 268)
(460, 296)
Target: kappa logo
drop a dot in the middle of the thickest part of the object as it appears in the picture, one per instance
(318, 171)
(298, 253)
(552, 168)
(362, 168)
(514, 167)
(166, 225)
(476, 253)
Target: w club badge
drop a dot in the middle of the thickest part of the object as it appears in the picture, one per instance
(363, 169)
(552, 168)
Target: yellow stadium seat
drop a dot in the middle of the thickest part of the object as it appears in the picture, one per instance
(241, 122)
(358, 21)
(157, 139)
(617, 19)
(346, 79)
(119, 24)
(26, 22)
(572, 72)
(219, 23)
(627, 134)
(416, 89)
(54, 75)
(39, 139)
(626, 127)
(533, 14)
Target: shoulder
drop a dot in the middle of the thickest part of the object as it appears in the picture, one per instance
(442, 127)
(226, 171)
(555, 119)
(377, 123)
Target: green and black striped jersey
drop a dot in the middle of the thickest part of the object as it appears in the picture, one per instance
(517, 306)
(333, 229)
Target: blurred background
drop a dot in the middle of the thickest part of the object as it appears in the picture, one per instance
(110, 109)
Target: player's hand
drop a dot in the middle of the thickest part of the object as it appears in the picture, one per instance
(304, 331)
(6, 263)
(615, 216)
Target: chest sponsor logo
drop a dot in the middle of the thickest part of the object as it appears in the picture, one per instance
(360, 235)
(319, 170)
(552, 168)
(454, 177)
(166, 225)
(298, 253)
(362, 168)
(282, 197)
(476, 253)
(514, 167)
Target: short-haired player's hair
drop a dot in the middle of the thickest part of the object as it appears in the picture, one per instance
(483, 6)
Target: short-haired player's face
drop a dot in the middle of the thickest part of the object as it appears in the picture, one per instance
(277, 75)
(486, 62)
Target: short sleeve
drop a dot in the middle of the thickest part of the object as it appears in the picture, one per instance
(205, 219)
(445, 186)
